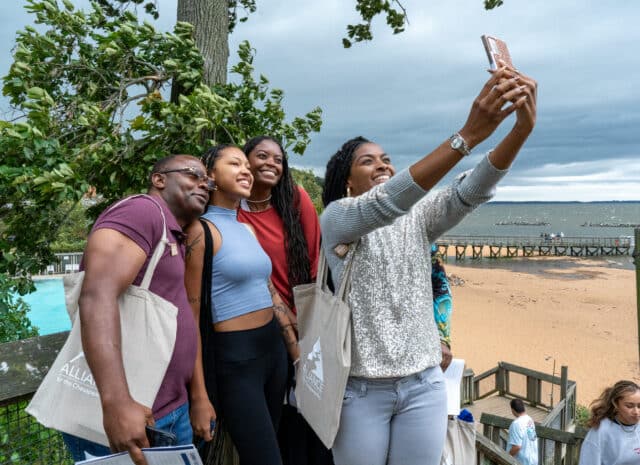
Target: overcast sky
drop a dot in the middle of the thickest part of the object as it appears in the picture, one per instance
(409, 92)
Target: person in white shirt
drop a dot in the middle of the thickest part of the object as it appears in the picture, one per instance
(523, 441)
(614, 437)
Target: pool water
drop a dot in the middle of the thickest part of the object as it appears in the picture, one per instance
(48, 312)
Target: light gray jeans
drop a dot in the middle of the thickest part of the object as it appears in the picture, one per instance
(393, 421)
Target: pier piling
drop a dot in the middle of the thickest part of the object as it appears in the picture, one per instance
(510, 246)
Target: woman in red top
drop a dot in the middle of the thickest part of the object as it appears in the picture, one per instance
(287, 227)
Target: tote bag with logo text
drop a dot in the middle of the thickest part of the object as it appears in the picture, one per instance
(68, 399)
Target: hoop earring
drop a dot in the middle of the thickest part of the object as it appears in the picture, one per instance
(348, 191)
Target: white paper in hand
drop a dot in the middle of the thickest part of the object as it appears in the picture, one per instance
(183, 455)
(453, 377)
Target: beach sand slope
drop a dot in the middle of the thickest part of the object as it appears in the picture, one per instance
(583, 315)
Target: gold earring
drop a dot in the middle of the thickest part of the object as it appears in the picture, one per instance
(348, 191)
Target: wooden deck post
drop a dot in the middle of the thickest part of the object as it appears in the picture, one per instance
(564, 387)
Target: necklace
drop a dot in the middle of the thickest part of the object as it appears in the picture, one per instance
(627, 428)
(259, 201)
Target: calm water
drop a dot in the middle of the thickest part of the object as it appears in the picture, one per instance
(48, 311)
(568, 218)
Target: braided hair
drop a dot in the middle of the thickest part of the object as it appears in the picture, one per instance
(338, 170)
(209, 158)
(285, 199)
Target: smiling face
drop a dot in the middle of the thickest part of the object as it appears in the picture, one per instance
(183, 184)
(266, 161)
(628, 408)
(232, 175)
(370, 166)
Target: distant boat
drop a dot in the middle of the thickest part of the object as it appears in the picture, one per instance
(522, 223)
(610, 225)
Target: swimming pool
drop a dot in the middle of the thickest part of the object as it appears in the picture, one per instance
(48, 311)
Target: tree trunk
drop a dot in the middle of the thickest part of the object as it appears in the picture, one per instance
(211, 21)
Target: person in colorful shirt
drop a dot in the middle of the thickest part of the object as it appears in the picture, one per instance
(442, 305)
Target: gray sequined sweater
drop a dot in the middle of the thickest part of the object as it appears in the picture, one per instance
(391, 300)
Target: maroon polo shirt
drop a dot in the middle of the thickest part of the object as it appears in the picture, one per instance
(140, 220)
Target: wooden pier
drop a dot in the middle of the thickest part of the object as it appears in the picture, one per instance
(477, 247)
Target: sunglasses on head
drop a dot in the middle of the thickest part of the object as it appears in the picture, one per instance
(193, 173)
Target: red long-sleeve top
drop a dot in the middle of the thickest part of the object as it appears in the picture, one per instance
(270, 232)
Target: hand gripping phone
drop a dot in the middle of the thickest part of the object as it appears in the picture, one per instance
(160, 438)
(496, 50)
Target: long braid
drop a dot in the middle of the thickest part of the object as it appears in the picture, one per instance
(285, 199)
(338, 169)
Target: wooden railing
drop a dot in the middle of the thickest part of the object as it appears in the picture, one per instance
(555, 446)
(488, 453)
(499, 381)
(23, 365)
(559, 442)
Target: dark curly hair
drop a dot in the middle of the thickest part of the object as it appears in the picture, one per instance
(285, 199)
(338, 169)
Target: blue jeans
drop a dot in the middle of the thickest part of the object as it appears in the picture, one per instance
(176, 422)
(393, 421)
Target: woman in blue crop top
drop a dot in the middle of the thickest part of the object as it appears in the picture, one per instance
(253, 328)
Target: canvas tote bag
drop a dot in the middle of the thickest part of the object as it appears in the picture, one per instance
(68, 399)
(324, 330)
(460, 443)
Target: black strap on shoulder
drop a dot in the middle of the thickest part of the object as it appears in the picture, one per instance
(207, 334)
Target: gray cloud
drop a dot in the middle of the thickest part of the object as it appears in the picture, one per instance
(411, 91)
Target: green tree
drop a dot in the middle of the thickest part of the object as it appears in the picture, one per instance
(215, 20)
(87, 88)
(312, 184)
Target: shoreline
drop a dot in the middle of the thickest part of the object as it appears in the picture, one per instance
(578, 312)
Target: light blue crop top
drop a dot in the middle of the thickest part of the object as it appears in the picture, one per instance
(241, 269)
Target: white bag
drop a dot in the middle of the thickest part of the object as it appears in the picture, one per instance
(68, 399)
(460, 443)
(324, 325)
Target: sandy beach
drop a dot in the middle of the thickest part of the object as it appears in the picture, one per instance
(581, 313)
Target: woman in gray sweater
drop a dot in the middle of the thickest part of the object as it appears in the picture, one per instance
(394, 409)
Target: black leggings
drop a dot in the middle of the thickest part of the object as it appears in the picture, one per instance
(251, 374)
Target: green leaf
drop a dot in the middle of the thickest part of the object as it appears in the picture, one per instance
(138, 122)
(35, 93)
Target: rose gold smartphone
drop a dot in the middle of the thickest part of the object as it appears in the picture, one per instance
(496, 50)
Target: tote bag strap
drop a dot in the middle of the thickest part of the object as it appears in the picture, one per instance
(157, 253)
(159, 250)
(323, 271)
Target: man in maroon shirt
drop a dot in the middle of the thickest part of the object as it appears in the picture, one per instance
(117, 254)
